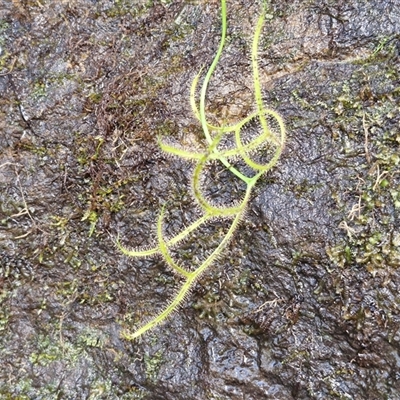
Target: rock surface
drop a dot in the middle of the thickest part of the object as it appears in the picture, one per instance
(304, 305)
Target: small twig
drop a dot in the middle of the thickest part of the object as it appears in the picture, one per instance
(272, 303)
(25, 210)
(367, 155)
(350, 231)
(379, 178)
(355, 209)
(10, 163)
(24, 200)
(23, 236)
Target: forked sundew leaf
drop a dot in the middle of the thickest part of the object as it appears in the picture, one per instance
(269, 137)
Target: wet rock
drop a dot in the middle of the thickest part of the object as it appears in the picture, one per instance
(303, 305)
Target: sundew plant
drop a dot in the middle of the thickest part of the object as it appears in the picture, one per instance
(246, 156)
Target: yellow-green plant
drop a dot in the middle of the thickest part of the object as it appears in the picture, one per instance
(268, 142)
